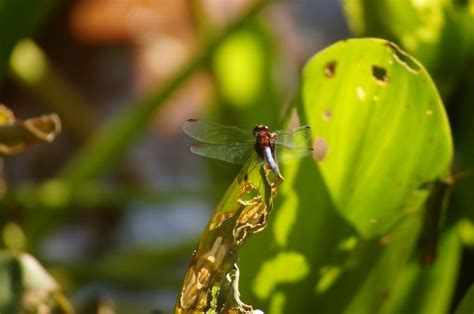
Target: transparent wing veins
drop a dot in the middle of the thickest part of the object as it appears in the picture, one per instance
(294, 138)
(215, 133)
(283, 153)
(235, 153)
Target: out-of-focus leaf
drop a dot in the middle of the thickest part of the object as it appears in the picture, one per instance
(438, 33)
(30, 67)
(13, 236)
(435, 211)
(466, 232)
(427, 290)
(464, 133)
(25, 287)
(59, 194)
(467, 303)
(19, 19)
(153, 267)
(16, 135)
(382, 138)
(239, 67)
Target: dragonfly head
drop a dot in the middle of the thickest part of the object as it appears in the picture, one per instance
(259, 129)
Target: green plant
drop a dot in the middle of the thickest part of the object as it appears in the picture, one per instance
(368, 225)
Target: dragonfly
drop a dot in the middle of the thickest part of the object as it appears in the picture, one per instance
(237, 146)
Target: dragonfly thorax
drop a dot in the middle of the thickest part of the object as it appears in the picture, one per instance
(264, 138)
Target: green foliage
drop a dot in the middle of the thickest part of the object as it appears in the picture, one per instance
(387, 133)
(346, 229)
(239, 67)
(441, 35)
(381, 137)
(27, 288)
(19, 19)
(438, 33)
(467, 303)
(427, 289)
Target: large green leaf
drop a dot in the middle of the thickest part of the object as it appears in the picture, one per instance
(347, 223)
(385, 127)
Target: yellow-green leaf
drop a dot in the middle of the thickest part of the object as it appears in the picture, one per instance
(384, 123)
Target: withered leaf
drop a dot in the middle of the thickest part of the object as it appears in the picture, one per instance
(16, 135)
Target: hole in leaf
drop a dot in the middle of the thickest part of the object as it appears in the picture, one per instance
(403, 58)
(250, 194)
(330, 69)
(380, 74)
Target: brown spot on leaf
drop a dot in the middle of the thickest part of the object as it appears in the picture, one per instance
(327, 115)
(386, 239)
(330, 69)
(380, 74)
(320, 148)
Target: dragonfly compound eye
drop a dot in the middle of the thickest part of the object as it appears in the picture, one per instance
(259, 129)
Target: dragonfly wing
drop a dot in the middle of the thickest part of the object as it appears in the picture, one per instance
(236, 153)
(294, 138)
(215, 133)
(284, 153)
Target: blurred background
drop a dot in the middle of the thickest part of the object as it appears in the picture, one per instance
(127, 229)
(114, 207)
